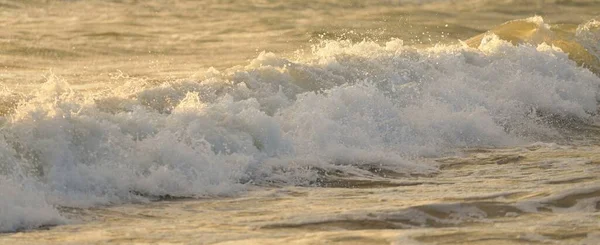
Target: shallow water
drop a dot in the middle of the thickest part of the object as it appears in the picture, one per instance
(350, 122)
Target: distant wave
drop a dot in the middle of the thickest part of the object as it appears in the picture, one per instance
(282, 122)
(580, 42)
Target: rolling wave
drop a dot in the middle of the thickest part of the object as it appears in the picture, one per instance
(277, 121)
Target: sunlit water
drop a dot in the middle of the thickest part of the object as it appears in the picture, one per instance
(301, 122)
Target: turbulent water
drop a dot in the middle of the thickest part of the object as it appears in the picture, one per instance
(306, 122)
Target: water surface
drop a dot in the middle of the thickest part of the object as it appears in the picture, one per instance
(260, 122)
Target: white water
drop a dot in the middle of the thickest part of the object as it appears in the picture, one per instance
(278, 121)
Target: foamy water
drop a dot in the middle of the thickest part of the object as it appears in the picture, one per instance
(373, 140)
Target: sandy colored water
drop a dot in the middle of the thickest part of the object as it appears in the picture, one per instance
(92, 42)
(116, 130)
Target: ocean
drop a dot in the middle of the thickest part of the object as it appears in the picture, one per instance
(299, 122)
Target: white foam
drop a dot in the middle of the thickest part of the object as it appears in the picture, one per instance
(588, 34)
(23, 206)
(345, 106)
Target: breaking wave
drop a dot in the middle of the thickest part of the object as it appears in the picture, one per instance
(345, 107)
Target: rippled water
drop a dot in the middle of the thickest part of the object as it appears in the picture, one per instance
(89, 41)
(261, 122)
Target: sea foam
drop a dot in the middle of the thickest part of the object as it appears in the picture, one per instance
(278, 121)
